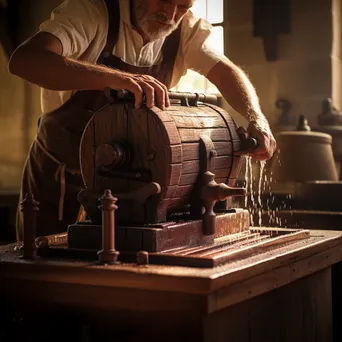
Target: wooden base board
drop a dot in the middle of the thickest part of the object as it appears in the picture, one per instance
(159, 237)
(206, 255)
(283, 294)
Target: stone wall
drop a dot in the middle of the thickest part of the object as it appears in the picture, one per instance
(336, 54)
(303, 72)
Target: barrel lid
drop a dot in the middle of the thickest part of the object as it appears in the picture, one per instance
(307, 136)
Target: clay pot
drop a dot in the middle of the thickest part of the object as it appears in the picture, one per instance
(303, 156)
(336, 134)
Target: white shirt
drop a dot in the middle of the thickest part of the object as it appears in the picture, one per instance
(82, 26)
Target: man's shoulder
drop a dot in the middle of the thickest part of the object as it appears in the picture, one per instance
(82, 3)
(93, 2)
(194, 25)
(190, 21)
(99, 6)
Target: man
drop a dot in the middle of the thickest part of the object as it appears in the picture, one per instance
(144, 46)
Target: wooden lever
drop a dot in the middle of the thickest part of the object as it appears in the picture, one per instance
(140, 195)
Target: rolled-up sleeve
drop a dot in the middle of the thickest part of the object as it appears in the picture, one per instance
(197, 54)
(75, 23)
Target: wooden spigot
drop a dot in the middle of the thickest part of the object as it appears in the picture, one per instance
(29, 208)
(210, 193)
(108, 254)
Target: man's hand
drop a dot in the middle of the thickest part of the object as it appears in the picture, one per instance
(155, 91)
(239, 92)
(261, 131)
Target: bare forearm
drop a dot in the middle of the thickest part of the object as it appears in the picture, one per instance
(56, 72)
(40, 61)
(237, 90)
(241, 95)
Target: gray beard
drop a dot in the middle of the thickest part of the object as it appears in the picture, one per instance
(140, 12)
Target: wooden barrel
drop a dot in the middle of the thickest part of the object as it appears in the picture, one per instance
(123, 149)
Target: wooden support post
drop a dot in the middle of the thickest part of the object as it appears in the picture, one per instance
(108, 254)
(29, 208)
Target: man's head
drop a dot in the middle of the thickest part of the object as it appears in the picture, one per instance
(158, 18)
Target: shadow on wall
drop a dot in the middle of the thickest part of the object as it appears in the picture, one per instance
(19, 103)
(19, 100)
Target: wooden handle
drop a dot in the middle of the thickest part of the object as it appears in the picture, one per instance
(140, 195)
(192, 98)
(249, 144)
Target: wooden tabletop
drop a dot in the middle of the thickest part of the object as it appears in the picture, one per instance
(245, 278)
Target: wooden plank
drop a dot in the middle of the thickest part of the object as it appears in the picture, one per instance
(198, 122)
(176, 152)
(191, 150)
(172, 133)
(236, 167)
(141, 142)
(336, 279)
(221, 173)
(199, 111)
(156, 152)
(233, 130)
(240, 253)
(266, 268)
(223, 162)
(193, 135)
(175, 202)
(178, 191)
(230, 325)
(264, 325)
(231, 125)
(317, 307)
(169, 192)
(175, 172)
(192, 166)
(187, 179)
(162, 115)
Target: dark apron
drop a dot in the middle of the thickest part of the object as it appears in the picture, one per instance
(52, 170)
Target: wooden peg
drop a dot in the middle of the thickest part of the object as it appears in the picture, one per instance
(142, 258)
(108, 254)
(29, 208)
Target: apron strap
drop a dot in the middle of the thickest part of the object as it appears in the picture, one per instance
(59, 176)
(169, 48)
(113, 9)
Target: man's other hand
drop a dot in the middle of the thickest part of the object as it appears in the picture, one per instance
(261, 131)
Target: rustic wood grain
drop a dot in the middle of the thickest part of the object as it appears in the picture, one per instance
(259, 298)
(166, 143)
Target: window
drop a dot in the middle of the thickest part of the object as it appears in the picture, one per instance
(212, 10)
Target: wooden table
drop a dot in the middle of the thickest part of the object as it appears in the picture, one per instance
(278, 295)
